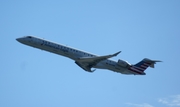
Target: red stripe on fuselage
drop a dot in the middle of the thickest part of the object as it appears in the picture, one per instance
(135, 71)
(141, 69)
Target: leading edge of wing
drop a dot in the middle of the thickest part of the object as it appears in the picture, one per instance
(96, 58)
(87, 63)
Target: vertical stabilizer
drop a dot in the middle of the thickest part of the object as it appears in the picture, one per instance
(141, 66)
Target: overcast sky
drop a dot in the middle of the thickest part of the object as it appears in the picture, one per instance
(31, 77)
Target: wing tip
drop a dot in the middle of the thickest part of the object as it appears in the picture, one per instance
(117, 53)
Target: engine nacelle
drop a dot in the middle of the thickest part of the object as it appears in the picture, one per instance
(123, 63)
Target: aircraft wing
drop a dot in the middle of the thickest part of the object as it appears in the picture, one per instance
(87, 63)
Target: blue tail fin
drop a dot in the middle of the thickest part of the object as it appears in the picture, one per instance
(141, 66)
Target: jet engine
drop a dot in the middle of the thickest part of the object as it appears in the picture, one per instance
(123, 63)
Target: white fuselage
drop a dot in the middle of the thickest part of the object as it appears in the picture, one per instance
(71, 53)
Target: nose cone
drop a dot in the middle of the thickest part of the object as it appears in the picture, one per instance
(21, 40)
(18, 39)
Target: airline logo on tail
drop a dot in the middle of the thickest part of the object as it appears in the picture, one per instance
(140, 67)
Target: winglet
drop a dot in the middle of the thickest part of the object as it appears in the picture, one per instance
(116, 53)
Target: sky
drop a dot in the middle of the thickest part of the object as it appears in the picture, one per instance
(30, 77)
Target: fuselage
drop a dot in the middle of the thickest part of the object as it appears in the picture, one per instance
(72, 53)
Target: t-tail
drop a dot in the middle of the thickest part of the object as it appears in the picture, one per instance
(140, 67)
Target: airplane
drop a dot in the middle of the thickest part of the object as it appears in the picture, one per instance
(86, 60)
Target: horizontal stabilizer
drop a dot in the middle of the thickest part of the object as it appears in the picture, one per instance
(152, 62)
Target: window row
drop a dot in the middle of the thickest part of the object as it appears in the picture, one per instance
(65, 48)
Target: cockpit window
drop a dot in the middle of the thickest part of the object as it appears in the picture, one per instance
(29, 37)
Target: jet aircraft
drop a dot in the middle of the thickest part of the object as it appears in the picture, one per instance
(86, 60)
